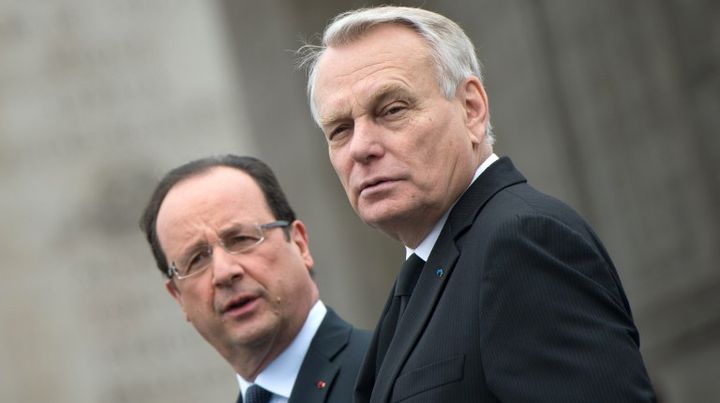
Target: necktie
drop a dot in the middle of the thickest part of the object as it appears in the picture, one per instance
(407, 279)
(256, 394)
(404, 286)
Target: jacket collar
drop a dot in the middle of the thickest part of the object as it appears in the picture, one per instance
(318, 370)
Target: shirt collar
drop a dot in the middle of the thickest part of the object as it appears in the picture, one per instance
(423, 250)
(279, 377)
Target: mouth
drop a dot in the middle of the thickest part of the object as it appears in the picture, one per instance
(376, 184)
(240, 306)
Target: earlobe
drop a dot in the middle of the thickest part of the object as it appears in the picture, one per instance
(172, 290)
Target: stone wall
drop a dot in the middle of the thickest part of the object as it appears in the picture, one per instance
(97, 100)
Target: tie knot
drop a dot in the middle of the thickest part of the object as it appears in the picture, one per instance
(256, 394)
(409, 274)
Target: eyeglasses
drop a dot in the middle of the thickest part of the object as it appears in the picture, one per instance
(235, 240)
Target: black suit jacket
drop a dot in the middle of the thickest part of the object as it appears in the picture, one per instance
(518, 302)
(330, 367)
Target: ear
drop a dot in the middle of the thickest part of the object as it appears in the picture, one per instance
(475, 103)
(175, 294)
(299, 237)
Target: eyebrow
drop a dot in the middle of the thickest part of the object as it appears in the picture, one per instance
(203, 242)
(389, 90)
(186, 253)
(233, 227)
(332, 119)
(381, 93)
(194, 246)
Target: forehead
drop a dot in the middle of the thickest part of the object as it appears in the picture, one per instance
(381, 42)
(212, 199)
(388, 52)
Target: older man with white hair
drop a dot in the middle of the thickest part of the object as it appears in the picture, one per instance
(507, 295)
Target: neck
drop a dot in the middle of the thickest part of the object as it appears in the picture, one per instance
(413, 237)
(250, 362)
(413, 231)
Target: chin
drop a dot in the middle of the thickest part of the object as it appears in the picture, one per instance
(254, 337)
(385, 221)
(372, 216)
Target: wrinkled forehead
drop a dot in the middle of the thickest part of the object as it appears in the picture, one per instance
(389, 37)
(212, 200)
(386, 53)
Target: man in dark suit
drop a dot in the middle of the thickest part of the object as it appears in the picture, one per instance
(238, 263)
(507, 294)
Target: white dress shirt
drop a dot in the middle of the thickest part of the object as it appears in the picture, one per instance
(423, 250)
(279, 377)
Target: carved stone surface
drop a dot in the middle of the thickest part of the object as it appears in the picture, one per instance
(97, 100)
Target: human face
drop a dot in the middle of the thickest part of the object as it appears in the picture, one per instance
(250, 304)
(402, 150)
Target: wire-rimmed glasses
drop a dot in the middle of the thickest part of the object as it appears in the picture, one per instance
(235, 240)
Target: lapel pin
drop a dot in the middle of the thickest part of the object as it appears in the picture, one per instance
(320, 384)
(439, 272)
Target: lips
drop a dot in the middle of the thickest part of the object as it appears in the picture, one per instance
(375, 183)
(239, 305)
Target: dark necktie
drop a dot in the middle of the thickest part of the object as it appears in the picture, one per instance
(404, 286)
(256, 394)
(407, 279)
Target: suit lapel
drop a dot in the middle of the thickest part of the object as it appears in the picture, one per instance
(419, 310)
(318, 371)
(437, 272)
(373, 358)
(497, 177)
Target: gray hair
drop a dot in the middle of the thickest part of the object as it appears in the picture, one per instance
(451, 50)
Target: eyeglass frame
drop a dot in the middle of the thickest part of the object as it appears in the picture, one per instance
(172, 270)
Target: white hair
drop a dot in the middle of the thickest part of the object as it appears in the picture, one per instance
(451, 50)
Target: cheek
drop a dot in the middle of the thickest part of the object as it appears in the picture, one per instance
(434, 158)
(198, 312)
(196, 301)
(342, 167)
(266, 273)
(279, 290)
(338, 160)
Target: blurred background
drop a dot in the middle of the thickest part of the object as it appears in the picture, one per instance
(612, 106)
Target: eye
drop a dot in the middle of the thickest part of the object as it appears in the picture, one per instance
(239, 241)
(197, 261)
(394, 109)
(338, 131)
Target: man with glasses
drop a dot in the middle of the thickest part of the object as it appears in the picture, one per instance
(237, 261)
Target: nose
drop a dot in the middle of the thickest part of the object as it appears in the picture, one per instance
(366, 143)
(225, 267)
